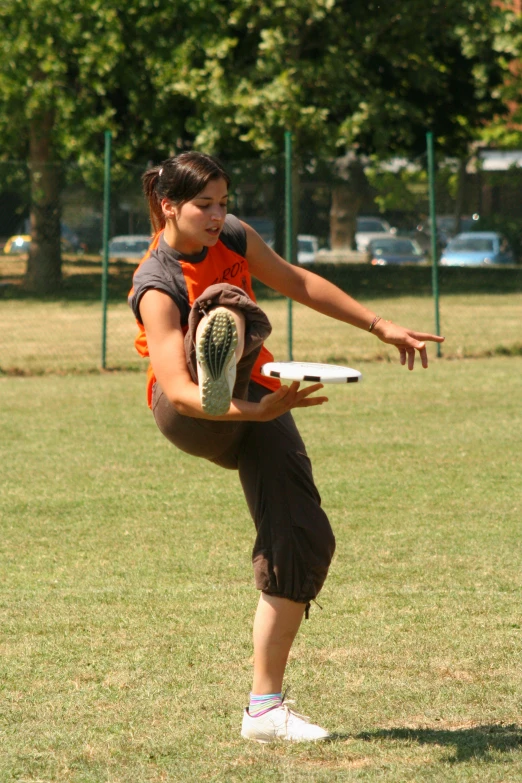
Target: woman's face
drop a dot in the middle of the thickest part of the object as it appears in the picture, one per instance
(198, 223)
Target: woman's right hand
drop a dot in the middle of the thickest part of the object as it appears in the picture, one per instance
(288, 397)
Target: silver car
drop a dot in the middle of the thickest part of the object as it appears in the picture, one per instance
(368, 228)
(131, 247)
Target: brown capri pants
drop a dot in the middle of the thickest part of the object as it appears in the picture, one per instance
(294, 544)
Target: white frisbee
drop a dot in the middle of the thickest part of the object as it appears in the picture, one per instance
(311, 371)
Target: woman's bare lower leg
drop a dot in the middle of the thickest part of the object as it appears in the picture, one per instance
(276, 624)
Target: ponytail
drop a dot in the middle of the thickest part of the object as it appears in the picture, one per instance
(150, 182)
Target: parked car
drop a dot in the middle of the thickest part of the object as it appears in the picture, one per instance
(17, 244)
(307, 247)
(20, 243)
(446, 228)
(130, 247)
(394, 250)
(477, 248)
(368, 228)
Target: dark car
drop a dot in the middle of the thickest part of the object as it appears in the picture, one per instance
(394, 250)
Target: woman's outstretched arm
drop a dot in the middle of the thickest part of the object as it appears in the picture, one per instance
(319, 294)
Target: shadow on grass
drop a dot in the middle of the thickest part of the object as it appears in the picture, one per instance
(474, 742)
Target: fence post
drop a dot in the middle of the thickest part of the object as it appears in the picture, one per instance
(433, 221)
(106, 228)
(289, 230)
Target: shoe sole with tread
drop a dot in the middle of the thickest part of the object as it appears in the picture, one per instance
(215, 351)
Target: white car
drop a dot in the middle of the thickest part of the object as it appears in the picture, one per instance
(129, 246)
(307, 247)
(368, 228)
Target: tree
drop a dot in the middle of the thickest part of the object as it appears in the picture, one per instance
(348, 75)
(341, 73)
(230, 76)
(505, 130)
(69, 70)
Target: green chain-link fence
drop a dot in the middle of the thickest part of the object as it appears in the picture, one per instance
(347, 213)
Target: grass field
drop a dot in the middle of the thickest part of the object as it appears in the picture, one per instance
(127, 595)
(65, 336)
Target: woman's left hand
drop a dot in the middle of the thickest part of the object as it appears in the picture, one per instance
(406, 341)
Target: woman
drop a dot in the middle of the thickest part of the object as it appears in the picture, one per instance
(199, 323)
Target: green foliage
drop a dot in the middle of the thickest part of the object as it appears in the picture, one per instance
(505, 131)
(398, 190)
(57, 56)
(232, 77)
(362, 74)
(89, 63)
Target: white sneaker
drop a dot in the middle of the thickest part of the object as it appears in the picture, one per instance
(216, 362)
(281, 723)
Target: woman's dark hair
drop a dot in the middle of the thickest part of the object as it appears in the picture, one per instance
(179, 179)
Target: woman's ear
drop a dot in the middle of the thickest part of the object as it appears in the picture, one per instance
(168, 208)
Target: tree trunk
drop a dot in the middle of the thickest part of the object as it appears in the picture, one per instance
(347, 199)
(44, 267)
(343, 214)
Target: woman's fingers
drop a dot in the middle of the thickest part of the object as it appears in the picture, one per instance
(284, 391)
(293, 390)
(407, 341)
(411, 342)
(307, 402)
(302, 397)
(287, 397)
(407, 354)
(310, 389)
(424, 356)
(434, 338)
(304, 400)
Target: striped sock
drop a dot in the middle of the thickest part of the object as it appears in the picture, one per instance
(261, 703)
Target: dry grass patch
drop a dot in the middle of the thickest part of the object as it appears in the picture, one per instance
(38, 337)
